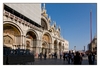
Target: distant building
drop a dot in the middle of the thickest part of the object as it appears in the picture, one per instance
(27, 26)
(92, 46)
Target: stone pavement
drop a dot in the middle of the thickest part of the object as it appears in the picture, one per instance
(56, 62)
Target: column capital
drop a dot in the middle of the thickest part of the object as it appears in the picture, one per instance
(23, 35)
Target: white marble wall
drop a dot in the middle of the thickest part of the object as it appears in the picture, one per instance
(30, 10)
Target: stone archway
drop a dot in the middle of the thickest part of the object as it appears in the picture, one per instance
(47, 39)
(11, 35)
(55, 46)
(44, 47)
(60, 47)
(31, 41)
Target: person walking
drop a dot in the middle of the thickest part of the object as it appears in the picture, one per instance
(81, 59)
(77, 59)
(41, 56)
(61, 55)
(55, 55)
(69, 57)
(64, 56)
(72, 57)
(91, 58)
(45, 55)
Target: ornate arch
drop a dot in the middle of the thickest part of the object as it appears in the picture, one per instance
(44, 23)
(32, 30)
(31, 39)
(14, 24)
(60, 43)
(46, 36)
(11, 33)
(55, 45)
(60, 47)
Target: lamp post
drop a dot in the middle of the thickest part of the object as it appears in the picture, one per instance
(84, 48)
(75, 48)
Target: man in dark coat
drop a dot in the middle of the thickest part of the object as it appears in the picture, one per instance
(69, 57)
(91, 58)
(77, 59)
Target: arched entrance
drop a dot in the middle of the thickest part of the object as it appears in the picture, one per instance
(11, 35)
(55, 46)
(31, 40)
(46, 41)
(44, 47)
(60, 47)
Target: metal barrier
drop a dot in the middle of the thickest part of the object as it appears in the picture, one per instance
(18, 56)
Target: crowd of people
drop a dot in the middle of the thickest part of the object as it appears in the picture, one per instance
(70, 57)
(75, 58)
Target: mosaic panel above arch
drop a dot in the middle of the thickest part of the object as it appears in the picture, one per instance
(46, 38)
(8, 28)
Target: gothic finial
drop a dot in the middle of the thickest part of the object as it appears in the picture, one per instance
(59, 28)
(49, 18)
(54, 23)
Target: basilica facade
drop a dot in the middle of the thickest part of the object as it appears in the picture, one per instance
(27, 26)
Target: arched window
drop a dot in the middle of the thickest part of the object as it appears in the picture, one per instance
(44, 24)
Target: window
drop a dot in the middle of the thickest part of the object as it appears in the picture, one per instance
(43, 24)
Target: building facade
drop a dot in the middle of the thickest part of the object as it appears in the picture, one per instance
(27, 26)
(92, 46)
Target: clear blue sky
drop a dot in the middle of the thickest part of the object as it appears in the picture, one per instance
(74, 20)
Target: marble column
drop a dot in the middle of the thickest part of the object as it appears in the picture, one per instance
(52, 47)
(23, 42)
(57, 49)
(39, 46)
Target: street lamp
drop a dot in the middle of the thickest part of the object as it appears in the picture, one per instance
(84, 48)
(75, 48)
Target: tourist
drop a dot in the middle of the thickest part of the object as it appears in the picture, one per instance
(45, 55)
(60, 55)
(41, 56)
(91, 58)
(69, 57)
(77, 59)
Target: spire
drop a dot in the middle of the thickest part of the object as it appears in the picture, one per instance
(54, 24)
(59, 28)
(49, 19)
(44, 5)
(90, 25)
(90, 10)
